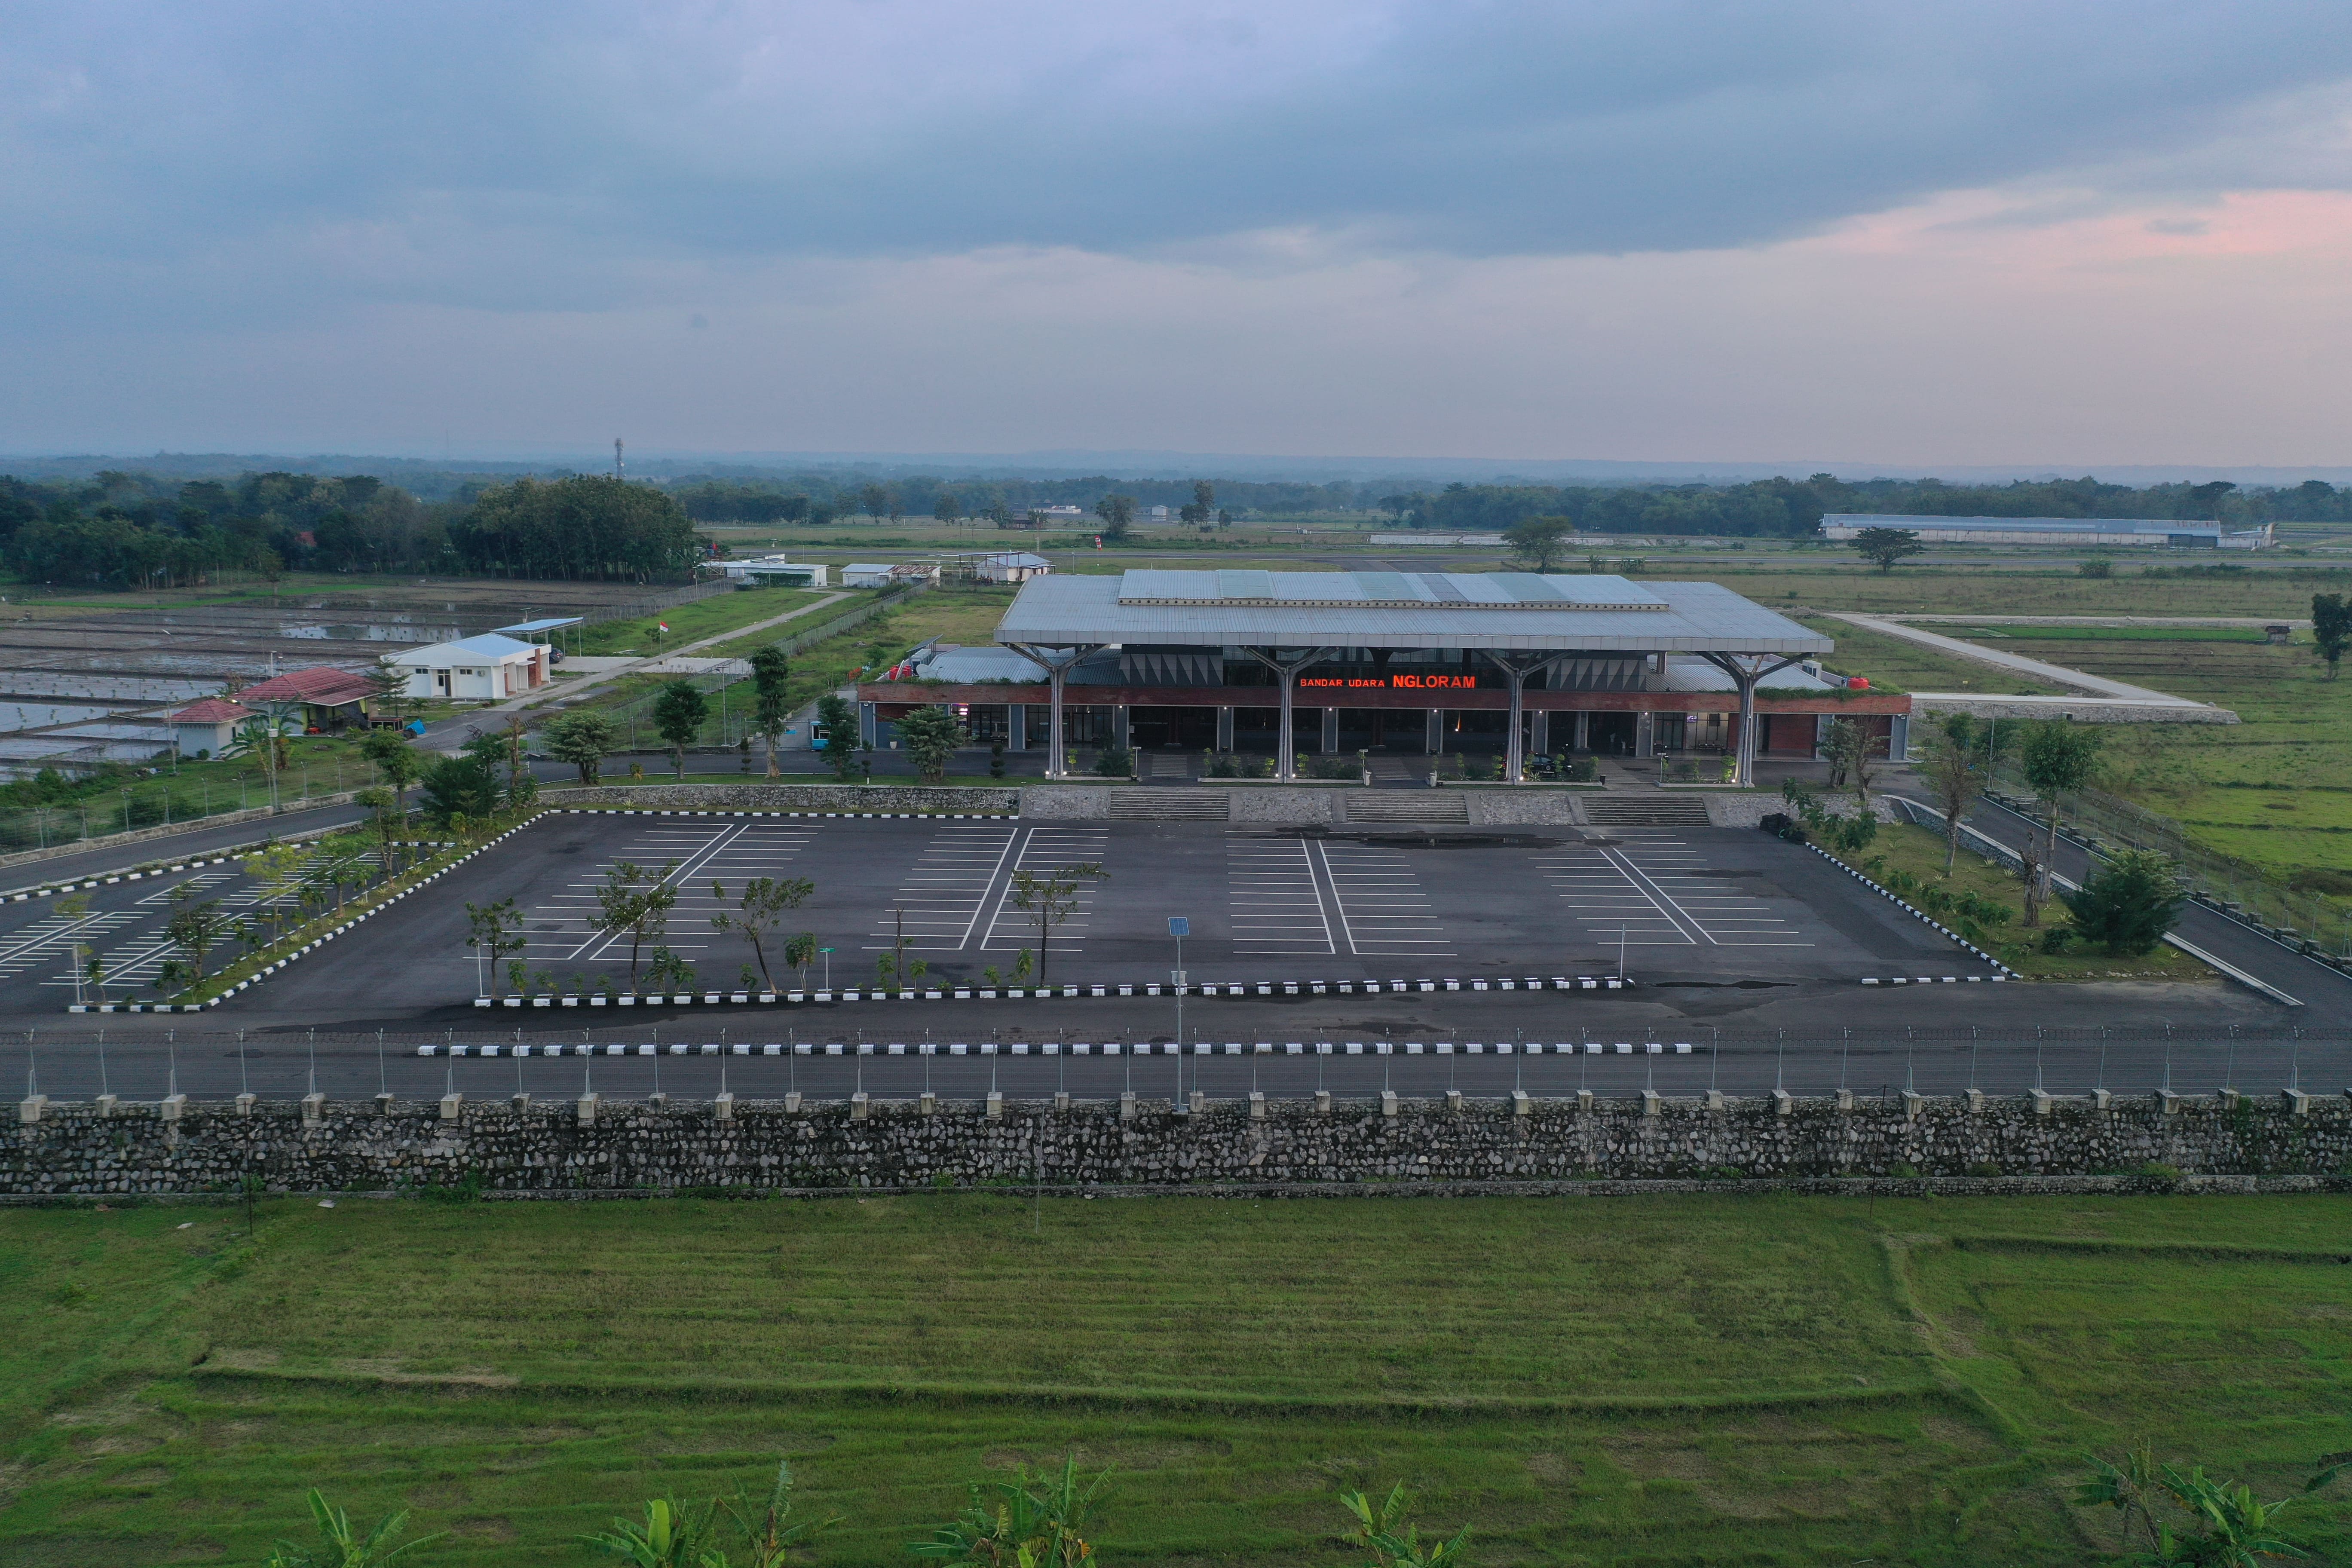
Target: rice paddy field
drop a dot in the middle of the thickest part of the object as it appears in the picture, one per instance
(1718, 1379)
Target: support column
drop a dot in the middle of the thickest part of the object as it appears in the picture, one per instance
(1225, 728)
(1017, 726)
(1646, 725)
(1287, 671)
(1516, 669)
(1583, 730)
(1057, 663)
(1436, 741)
(1539, 736)
(1330, 736)
(1119, 726)
(865, 726)
(1746, 670)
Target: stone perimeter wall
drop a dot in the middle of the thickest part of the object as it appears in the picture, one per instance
(560, 1148)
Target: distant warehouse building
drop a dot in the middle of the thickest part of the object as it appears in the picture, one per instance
(2114, 531)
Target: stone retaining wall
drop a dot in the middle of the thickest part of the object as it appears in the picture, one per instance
(559, 1147)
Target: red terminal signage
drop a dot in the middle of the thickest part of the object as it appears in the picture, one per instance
(1394, 683)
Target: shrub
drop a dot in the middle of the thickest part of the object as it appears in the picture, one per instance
(1115, 762)
(2129, 903)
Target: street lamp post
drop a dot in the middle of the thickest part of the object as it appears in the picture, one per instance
(1180, 928)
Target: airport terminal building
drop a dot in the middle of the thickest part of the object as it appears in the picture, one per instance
(1506, 664)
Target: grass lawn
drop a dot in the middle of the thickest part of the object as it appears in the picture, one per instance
(1903, 847)
(691, 623)
(1686, 1380)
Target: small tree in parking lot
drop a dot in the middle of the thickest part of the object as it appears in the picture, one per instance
(496, 931)
(636, 902)
(759, 910)
(1052, 899)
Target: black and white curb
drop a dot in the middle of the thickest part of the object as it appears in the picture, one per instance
(723, 811)
(1039, 992)
(62, 887)
(1929, 920)
(1082, 1049)
(311, 946)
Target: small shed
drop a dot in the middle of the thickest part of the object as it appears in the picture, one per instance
(484, 669)
(2278, 632)
(209, 728)
(1011, 566)
(319, 698)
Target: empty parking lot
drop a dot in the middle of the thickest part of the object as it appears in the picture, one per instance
(1695, 906)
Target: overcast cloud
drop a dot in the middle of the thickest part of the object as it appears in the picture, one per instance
(1598, 229)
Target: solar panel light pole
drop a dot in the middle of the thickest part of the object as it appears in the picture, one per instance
(1180, 928)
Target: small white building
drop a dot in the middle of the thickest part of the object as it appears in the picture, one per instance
(209, 728)
(484, 669)
(1011, 566)
(764, 570)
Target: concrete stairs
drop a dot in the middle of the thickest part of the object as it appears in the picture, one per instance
(1145, 803)
(1647, 808)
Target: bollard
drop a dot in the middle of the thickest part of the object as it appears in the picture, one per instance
(171, 1106)
(1453, 1101)
(1976, 1102)
(1388, 1102)
(2231, 1099)
(383, 1104)
(995, 1106)
(1715, 1100)
(1322, 1102)
(1783, 1103)
(1584, 1099)
(1257, 1105)
(1061, 1100)
(1845, 1100)
(2172, 1102)
(520, 1101)
(1651, 1101)
(451, 1104)
(587, 1110)
(791, 1102)
(928, 1105)
(1200, 1101)
(1914, 1103)
(1127, 1106)
(2044, 1102)
(106, 1104)
(29, 1109)
(721, 1108)
(1521, 1104)
(2298, 1103)
(245, 1103)
(314, 1109)
(2103, 1100)
(657, 1101)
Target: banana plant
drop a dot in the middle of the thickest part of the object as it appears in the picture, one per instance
(342, 1543)
(674, 1535)
(769, 1532)
(1381, 1530)
(1029, 1521)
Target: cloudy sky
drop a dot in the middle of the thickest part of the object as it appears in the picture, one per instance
(1910, 232)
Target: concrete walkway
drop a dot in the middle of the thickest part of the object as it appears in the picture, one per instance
(449, 733)
(2057, 674)
(2254, 623)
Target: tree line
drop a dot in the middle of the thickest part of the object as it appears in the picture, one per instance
(120, 529)
(1791, 509)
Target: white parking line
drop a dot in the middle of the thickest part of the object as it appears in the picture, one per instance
(1384, 912)
(1044, 850)
(946, 889)
(1277, 902)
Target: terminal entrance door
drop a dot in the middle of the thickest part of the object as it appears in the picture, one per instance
(1173, 729)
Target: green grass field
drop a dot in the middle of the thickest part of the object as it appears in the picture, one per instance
(1718, 1379)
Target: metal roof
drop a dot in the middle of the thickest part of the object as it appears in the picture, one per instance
(2017, 524)
(545, 624)
(1499, 610)
(1386, 589)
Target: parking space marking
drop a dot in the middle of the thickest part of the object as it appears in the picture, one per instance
(1384, 913)
(943, 895)
(1725, 917)
(1043, 850)
(1609, 903)
(1275, 897)
(56, 938)
(576, 937)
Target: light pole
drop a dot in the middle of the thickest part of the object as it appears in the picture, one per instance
(1180, 928)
